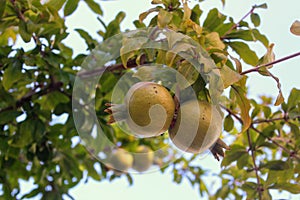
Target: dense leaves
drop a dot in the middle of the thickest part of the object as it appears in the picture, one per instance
(38, 138)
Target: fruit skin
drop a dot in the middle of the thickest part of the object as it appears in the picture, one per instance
(148, 109)
(197, 127)
(143, 158)
(121, 160)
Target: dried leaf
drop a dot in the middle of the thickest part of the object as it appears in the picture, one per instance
(295, 28)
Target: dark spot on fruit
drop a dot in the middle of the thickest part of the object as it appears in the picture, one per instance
(155, 91)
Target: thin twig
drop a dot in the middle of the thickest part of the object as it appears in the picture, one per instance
(232, 113)
(237, 24)
(292, 154)
(256, 69)
(259, 188)
(100, 70)
(28, 97)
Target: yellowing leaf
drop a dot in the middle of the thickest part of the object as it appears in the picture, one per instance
(164, 18)
(189, 72)
(268, 57)
(187, 11)
(212, 40)
(145, 14)
(238, 64)
(279, 99)
(244, 105)
(229, 76)
(295, 28)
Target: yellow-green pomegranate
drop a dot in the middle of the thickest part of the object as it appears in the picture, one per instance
(148, 109)
(142, 158)
(197, 126)
(121, 160)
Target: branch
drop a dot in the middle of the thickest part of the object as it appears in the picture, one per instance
(28, 97)
(285, 117)
(291, 153)
(256, 69)
(237, 24)
(232, 113)
(258, 121)
(259, 188)
(97, 71)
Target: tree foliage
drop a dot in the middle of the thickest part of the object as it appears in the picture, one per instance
(36, 88)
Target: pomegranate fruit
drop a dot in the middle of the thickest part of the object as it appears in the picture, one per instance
(121, 160)
(197, 127)
(142, 158)
(148, 109)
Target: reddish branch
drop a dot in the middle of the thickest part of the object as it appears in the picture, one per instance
(256, 69)
(29, 96)
(285, 118)
(98, 71)
(237, 24)
(256, 169)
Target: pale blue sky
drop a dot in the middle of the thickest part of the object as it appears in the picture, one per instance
(276, 21)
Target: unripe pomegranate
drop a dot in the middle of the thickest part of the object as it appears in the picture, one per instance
(148, 109)
(121, 160)
(142, 158)
(197, 126)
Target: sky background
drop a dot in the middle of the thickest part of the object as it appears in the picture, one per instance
(275, 23)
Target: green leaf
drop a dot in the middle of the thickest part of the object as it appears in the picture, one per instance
(276, 165)
(8, 116)
(267, 111)
(255, 19)
(243, 161)
(243, 50)
(264, 6)
(94, 6)
(70, 7)
(233, 155)
(51, 100)
(214, 19)
(2, 7)
(228, 123)
(295, 129)
(279, 176)
(26, 36)
(55, 4)
(32, 193)
(251, 189)
(290, 187)
(24, 135)
(129, 179)
(12, 74)
(260, 37)
(294, 99)
(88, 39)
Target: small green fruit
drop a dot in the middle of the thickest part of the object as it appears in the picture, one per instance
(142, 158)
(121, 160)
